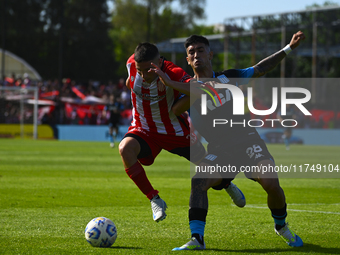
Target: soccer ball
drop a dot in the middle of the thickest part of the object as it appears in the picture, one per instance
(101, 232)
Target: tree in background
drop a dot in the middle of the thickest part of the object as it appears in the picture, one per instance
(136, 21)
(61, 38)
(325, 4)
(327, 40)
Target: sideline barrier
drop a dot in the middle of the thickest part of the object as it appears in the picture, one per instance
(310, 136)
(87, 133)
(14, 131)
(100, 133)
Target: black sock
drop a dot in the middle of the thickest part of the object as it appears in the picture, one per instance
(279, 216)
(197, 214)
(278, 227)
(224, 184)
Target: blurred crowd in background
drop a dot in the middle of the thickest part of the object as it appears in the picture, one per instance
(83, 103)
(68, 102)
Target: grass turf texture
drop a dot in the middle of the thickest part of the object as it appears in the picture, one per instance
(50, 190)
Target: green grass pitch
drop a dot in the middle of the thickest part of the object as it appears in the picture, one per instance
(50, 190)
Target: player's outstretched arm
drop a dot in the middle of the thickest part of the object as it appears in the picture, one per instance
(269, 63)
(185, 88)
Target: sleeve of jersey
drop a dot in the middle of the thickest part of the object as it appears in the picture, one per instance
(177, 74)
(245, 75)
(129, 63)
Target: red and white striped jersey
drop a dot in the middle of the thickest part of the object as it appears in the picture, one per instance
(152, 102)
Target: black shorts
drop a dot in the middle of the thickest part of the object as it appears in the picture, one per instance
(113, 124)
(231, 160)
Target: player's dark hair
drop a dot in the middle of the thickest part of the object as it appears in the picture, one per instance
(193, 39)
(146, 52)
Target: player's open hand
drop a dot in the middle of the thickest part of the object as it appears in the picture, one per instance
(296, 39)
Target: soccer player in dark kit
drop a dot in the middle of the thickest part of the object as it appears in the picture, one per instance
(237, 146)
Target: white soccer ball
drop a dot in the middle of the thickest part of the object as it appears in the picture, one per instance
(101, 232)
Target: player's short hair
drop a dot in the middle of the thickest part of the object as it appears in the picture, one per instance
(146, 52)
(193, 39)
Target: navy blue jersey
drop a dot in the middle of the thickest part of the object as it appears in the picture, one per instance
(115, 110)
(224, 134)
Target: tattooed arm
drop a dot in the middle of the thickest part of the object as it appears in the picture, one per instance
(269, 63)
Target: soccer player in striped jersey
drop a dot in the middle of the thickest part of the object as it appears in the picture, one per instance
(154, 126)
(236, 146)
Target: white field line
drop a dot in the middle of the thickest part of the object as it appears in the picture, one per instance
(315, 204)
(297, 210)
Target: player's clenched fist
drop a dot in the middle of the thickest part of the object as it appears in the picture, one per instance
(296, 39)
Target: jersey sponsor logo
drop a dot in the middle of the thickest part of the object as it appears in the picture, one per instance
(145, 84)
(208, 104)
(204, 99)
(148, 96)
(222, 78)
(229, 89)
(211, 157)
(132, 78)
